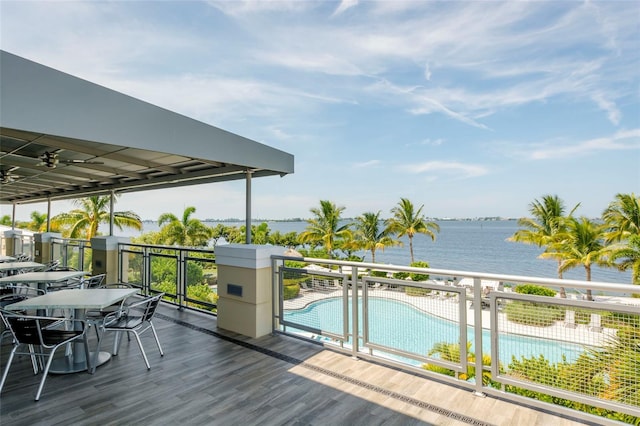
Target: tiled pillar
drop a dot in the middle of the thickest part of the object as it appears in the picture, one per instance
(13, 242)
(43, 248)
(104, 259)
(244, 288)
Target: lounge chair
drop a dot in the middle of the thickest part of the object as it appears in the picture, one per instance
(595, 324)
(570, 319)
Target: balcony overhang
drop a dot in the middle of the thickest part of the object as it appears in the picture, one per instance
(62, 137)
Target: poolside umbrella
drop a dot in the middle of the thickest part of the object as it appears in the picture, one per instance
(290, 252)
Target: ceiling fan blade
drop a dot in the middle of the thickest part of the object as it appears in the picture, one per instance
(81, 162)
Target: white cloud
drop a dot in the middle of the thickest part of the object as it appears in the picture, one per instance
(622, 140)
(455, 168)
(367, 164)
(240, 8)
(607, 105)
(427, 72)
(344, 5)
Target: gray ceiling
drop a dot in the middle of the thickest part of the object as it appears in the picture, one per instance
(63, 137)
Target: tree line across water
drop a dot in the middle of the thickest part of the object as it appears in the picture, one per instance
(613, 240)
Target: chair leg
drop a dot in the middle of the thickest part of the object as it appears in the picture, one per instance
(45, 372)
(6, 369)
(91, 367)
(117, 340)
(153, 329)
(144, 355)
(97, 354)
(35, 360)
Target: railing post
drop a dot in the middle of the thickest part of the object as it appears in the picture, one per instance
(63, 253)
(355, 343)
(275, 290)
(181, 280)
(81, 256)
(477, 329)
(146, 271)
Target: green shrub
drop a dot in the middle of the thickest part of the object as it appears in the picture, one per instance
(533, 313)
(400, 275)
(535, 290)
(416, 291)
(416, 276)
(379, 274)
(291, 291)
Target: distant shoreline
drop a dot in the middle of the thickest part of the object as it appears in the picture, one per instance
(297, 219)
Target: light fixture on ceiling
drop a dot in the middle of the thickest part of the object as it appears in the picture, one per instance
(49, 159)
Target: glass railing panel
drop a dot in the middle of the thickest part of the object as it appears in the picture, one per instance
(201, 280)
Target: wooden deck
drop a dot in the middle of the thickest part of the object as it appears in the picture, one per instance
(212, 377)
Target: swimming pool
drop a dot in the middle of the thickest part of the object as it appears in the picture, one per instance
(400, 325)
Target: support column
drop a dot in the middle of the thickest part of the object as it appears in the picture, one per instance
(104, 258)
(13, 242)
(247, 219)
(245, 288)
(43, 252)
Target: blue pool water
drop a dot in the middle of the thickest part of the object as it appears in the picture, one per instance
(400, 325)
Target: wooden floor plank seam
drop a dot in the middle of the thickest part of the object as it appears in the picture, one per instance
(295, 361)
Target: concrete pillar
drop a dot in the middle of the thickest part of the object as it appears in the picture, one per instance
(43, 252)
(104, 258)
(13, 242)
(244, 288)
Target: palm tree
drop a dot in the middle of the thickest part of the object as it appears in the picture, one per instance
(93, 211)
(545, 227)
(407, 221)
(628, 257)
(622, 217)
(38, 221)
(370, 236)
(622, 220)
(5, 220)
(187, 231)
(582, 244)
(324, 229)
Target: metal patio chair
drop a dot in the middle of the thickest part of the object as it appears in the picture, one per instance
(45, 333)
(133, 319)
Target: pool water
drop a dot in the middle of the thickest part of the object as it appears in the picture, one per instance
(399, 325)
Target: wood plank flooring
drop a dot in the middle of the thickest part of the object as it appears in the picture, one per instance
(212, 377)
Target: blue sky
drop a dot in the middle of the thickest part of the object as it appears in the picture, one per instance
(470, 108)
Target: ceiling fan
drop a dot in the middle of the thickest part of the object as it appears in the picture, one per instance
(51, 159)
(7, 176)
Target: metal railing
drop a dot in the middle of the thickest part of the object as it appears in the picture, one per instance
(22, 244)
(581, 355)
(187, 276)
(75, 253)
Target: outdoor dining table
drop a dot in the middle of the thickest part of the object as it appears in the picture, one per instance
(7, 267)
(80, 300)
(5, 258)
(42, 279)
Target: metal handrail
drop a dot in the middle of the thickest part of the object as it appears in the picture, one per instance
(356, 341)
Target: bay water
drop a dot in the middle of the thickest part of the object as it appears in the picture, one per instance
(463, 245)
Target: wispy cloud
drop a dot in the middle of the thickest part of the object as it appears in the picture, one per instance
(367, 164)
(528, 52)
(455, 168)
(427, 142)
(622, 140)
(344, 5)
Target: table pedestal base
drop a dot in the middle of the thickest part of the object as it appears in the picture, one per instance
(67, 365)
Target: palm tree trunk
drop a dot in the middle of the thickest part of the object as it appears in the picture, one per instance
(588, 269)
(563, 293)
(411, 247)
(373, 256)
